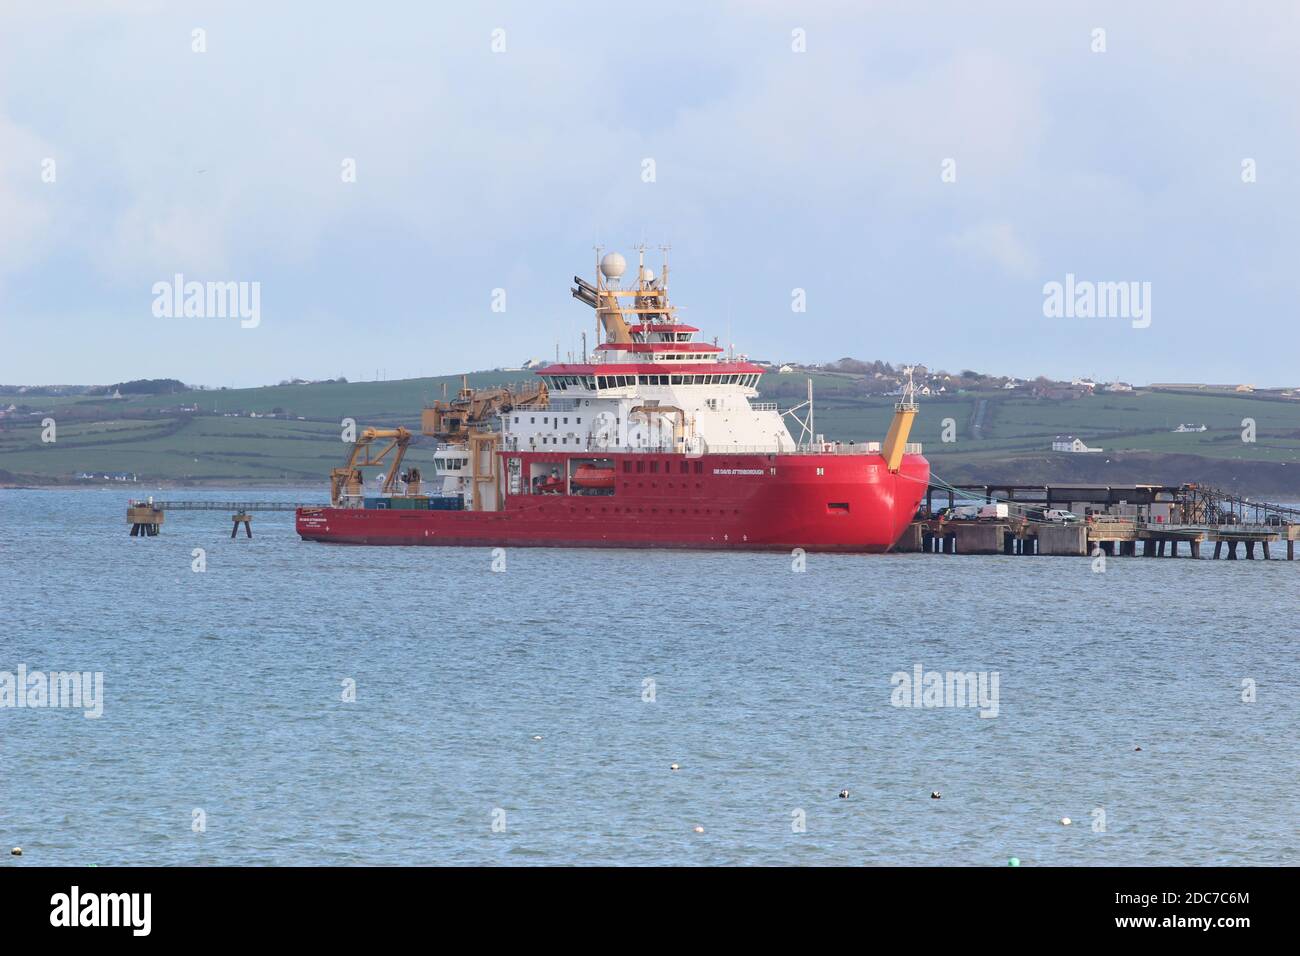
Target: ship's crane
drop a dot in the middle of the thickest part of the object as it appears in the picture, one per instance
(349, 479)
(469, 419)
(473, 410)
(901, 426)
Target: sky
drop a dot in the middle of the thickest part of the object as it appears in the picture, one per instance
(921, 171)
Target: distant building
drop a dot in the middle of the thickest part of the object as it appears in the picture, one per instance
(1190, 428)
(1117, 387)
(1068, 443)
(108, 476)
(784, 369)
(1244, 388)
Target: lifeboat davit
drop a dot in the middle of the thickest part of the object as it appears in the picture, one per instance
(589, 476)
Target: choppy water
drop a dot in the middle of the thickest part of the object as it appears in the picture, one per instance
(772, 691)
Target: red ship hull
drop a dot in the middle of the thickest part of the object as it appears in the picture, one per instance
(818, 502)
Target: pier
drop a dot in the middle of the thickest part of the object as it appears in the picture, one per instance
(146, 516)
(1116, 520)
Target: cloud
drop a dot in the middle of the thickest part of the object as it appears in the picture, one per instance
(998, 243)
(26, 218)
(477, 171)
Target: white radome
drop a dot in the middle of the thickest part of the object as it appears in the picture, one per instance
(613, 266)
(647, 274)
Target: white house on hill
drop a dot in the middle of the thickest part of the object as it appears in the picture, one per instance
(1069, 443)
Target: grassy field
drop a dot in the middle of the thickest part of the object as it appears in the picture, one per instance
(149, 436)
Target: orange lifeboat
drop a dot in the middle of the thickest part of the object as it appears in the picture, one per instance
(589, 476)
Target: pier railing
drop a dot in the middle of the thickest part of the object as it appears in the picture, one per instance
(240, 506)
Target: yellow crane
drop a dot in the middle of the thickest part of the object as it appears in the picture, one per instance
(349, 480)
(901, 426)
(468, 420)
(473, 409)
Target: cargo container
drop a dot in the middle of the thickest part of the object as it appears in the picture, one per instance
(409, 504)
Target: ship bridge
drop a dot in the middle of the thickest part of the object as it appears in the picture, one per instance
(648, 384)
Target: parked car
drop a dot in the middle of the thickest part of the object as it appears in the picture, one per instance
(1060, 515)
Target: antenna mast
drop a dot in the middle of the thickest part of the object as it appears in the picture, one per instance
(812, 424)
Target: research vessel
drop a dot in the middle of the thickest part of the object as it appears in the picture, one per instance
(654, 440)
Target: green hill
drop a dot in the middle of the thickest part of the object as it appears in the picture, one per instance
(208, 436)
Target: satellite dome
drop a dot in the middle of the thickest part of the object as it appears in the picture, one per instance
(613, 266)
(647, 274)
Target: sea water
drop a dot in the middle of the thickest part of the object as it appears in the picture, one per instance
(274, 701)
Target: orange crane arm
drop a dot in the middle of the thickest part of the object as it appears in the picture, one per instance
(361, 456)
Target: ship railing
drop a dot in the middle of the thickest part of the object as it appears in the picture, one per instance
(820, 448)
(840, 448)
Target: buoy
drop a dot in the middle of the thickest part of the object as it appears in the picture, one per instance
(16, 851)
(1065, 821)
(674, 767)
(537, 736)
(844, 794)
(935, 795)
(699, 829)
(1014, 861)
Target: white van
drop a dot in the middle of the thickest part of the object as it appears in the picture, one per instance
(998, 510)
(1056, 514)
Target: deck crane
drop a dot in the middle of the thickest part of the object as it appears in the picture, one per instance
(476, 409)
(349, 479)
(470, 419)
